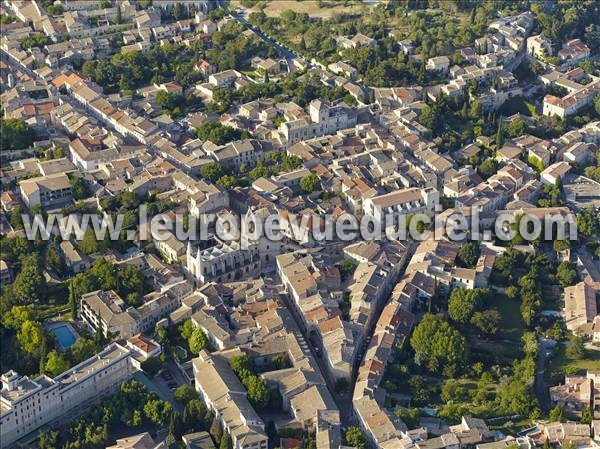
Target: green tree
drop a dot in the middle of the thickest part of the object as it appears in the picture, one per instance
(557, 414)
(258, 392)
(90, 244)
(468, 254)
(16, 316)
(463, 303)
(310, 183)
(78, 188)
(419, 390)
(346, 267)
(442, 346)
(516, 398)
(54, 260)
(452, 391)
(151, 365)
(565, 275)
(219, 134)
(194, 416)
(575, 348)
(530, 343)
(5, 19)
(186, 329)
(83, 349)
(29, 284)
(593, 173)
(586, 416)
(56, 364)
(158, 411)
(34, 40)
(212, 171)
(48, 440)
(516, 128)
(500, 134)
(588, 222)
(179, 11)
(43, 352)
(227, 182)
(280, 361)
(240, 363)
(225, 441)
(16, 219)
(185, 393)
(30, 337)
(487, 168)
(561, 245)
(487, 321)
(354, 437)
(198, 341)
(261, 171)
(176, 427)
(410, 416)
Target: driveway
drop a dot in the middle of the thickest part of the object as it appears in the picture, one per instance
(163, 384)
(541, 389)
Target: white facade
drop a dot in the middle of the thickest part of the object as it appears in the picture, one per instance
(28, 404)
(401, 202)
(324, 120)
(226, 261)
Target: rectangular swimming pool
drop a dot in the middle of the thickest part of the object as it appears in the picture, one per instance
(65, 335)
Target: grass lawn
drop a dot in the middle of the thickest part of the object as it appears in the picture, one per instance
(52, 311)
(509, 427)
(512, 324)
(561, 364)
(518, 104)
(506, 345)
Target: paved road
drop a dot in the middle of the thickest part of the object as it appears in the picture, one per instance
(541, 389)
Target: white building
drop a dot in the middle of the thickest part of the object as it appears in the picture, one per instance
(401, 202)
(106, 312)
(438, 64)
(555, 172)
(226, 261)
(324, 119)
(28, 404)
(572, 102)
(46, 191)
(538, 46)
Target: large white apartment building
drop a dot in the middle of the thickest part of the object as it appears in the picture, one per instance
(28, 404)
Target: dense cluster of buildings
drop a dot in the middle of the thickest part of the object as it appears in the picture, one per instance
(293, 299)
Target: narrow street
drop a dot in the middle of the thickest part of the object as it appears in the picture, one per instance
(343, 403)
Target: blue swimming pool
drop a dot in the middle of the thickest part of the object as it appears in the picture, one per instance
(65, 335)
